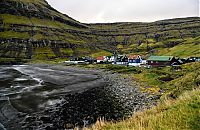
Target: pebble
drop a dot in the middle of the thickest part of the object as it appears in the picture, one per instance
(116, 100)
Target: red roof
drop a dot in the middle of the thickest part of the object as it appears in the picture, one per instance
(100, 58)
(133, 56)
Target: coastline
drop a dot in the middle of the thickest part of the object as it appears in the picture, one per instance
(125, 93)
(111, 96)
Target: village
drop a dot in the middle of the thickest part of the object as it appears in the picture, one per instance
(134, 60)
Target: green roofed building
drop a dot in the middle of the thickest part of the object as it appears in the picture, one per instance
(160, 60)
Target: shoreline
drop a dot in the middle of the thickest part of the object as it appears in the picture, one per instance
(124, 91)
(115, 98)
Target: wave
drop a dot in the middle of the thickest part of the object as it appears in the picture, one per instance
(26, 70)
(20, 79)
(51, 70)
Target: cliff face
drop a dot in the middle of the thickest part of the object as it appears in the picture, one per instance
(33, 29)
(29, 26)
(36, 8)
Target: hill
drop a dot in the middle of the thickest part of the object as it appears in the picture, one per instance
(178, 101)
(32, 29)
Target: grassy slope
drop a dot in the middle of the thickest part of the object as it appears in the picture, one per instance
(39, 33)
(176, 110)
(169, 81)
(13, 19)
(43, 3)
(38, 28)
(106, 37)
(189, 47)
(179, 114)
(185, 80)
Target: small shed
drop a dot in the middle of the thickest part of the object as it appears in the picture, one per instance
(161, 60)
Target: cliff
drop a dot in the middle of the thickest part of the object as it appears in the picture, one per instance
(32, 29)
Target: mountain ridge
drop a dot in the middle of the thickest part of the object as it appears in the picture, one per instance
(34, 30)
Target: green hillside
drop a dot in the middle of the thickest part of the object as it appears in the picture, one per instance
(180, 114)
(32, 29)
(178, 104)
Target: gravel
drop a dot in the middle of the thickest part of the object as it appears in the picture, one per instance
(118, 99)
(115, 99)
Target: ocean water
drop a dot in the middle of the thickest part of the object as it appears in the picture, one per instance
(30, 89)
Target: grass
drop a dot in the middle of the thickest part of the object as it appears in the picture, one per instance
(43, 3)
(167, 79)
(82, 51)
(30, 1)
(95, 45)
(49, 61)
(183, 50)
(9, 61)
(12, 34)
(13, 19)
(187, 79)
(177, 47)
(179, 114)
(176, 110)
(101, 53)
(43, 53)
(67, 51)
(178, 107)
(38, 36)
(173, 82)
(114, 68)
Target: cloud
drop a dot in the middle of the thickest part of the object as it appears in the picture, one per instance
(127, 10)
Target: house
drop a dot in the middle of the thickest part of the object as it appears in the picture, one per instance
(101, 59)
(112, 59)
(190, 59)
(134, 60)
(89, 60)
(121, 60)
(161, 60)
(105, 59)
(177, 62)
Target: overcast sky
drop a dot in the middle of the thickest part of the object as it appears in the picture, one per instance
(101, 11)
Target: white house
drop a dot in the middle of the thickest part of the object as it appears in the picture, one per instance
(135, 60)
